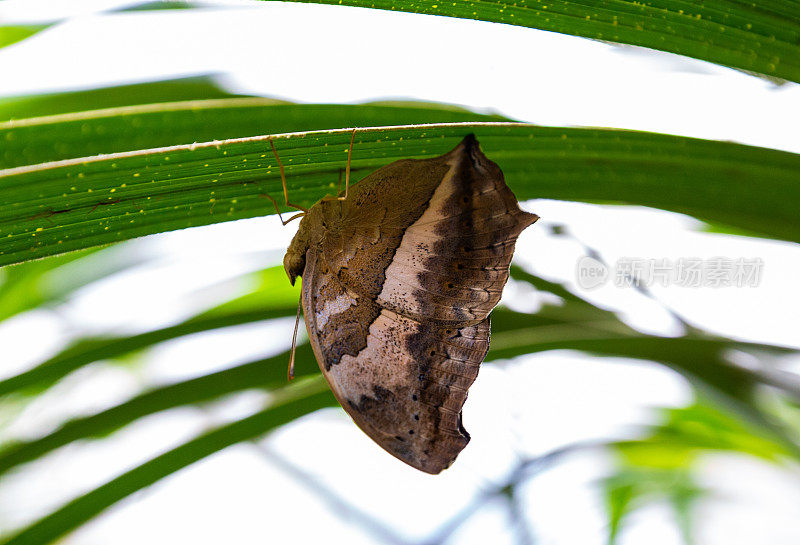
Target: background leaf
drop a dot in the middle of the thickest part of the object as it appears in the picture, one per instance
(140, 127)
(152, 92)
(662, 464)
(311, 396)
(572, 323)
(12, 34)
(82, 201)
(761, 37)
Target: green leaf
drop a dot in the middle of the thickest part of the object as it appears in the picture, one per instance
(298, 400)
(630, 489)
(272, 297)
(619, 496)
(47, 282)
(16, 33)
(761, 37)
(87, 351)
(181, 89)
(660, 465)
(701, 360)
(23, 286)
(685, 432)
(268, 373)
(271, 292)
(80, 203)
(144, 126)
(155, 5)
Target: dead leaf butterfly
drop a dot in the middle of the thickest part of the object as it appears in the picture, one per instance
(399, 277)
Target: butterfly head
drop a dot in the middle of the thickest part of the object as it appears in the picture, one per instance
(308, 234)
(294, 264)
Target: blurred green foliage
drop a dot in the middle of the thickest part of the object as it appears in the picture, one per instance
(87, 203)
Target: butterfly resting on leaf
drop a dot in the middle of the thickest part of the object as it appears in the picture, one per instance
(399, 278)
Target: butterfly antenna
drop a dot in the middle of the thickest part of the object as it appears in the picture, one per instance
(290, 373)
(347, 169)
(303, 211)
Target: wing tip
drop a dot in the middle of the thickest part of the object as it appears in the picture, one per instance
(470, 141)
(528, 218)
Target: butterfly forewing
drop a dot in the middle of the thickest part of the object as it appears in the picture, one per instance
(453, 261)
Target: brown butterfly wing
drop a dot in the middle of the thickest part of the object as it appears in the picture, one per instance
(405, 388)
(452, 263)
(398, 292)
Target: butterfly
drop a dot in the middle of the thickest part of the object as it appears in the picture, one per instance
(399, 278)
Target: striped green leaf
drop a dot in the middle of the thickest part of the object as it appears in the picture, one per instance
(761, 37)
(81, 203)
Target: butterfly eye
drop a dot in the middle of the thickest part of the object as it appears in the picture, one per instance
(465, 200)
(450, 286)
(460, 266)
(433, 352)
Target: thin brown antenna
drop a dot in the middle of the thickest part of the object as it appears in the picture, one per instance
(290, 372)
(303, 211)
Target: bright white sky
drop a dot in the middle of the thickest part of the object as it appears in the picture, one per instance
(524, 407)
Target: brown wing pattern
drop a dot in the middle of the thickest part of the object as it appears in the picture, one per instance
(453, 261)
(405, 388)
(397, 294)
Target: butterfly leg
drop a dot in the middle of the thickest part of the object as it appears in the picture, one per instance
(290, 372)
(347, 169)
(303, 211)
(346, 175)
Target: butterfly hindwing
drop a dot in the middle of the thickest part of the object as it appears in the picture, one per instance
(403, 382)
